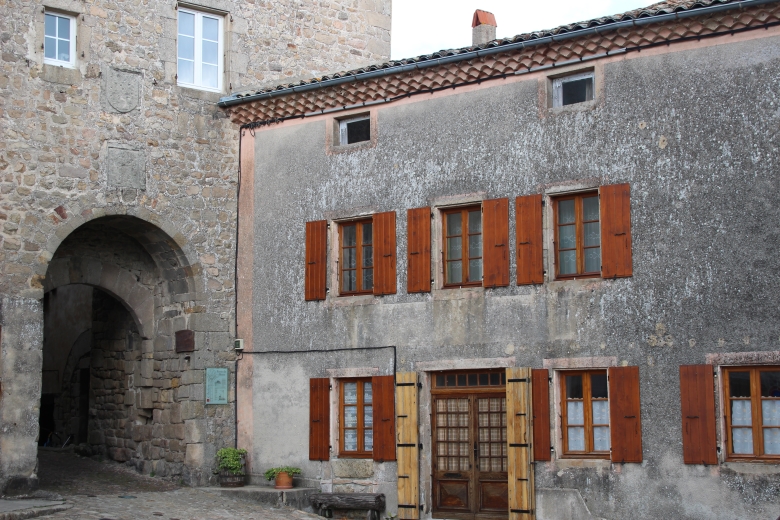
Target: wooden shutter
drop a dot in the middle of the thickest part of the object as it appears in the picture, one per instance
(615, 204)
(541, 411)
(530, 267)
(418, 273)
(519, 434)
(625, 422)
(697, 396)
(384, 253)
(383, 388)
(495, 243)
(316, 260)
(319, 418)
(408, 445)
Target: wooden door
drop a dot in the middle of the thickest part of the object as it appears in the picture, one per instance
(470, 480)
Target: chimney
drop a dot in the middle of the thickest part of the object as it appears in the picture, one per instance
(483, 27)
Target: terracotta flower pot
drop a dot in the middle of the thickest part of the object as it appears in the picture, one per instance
(283, 481)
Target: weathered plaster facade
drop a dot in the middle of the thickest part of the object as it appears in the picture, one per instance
(691, 127)
(113, 147)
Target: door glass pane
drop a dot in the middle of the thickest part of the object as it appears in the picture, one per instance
(210, 76)
(601, 438)
(350, 440)
(475, 270)
(575, 412)
(186, 47)
(350, 417)
(454, 248)
(770, 412)
(368, 233)
(770, 384)
(186, 24)
(739, 384)
(210, 28)
(742, 440)
(63, 29)
(568, 262)
(600, 412)
(454, 272)
(50, 28)
(349, 234)
(590, 208)
(475, 246)
(367, 393)
(566, 212)
(740, 413)
(368, 440)
(475, 221)
(772, 441)
(574, 387)
(576, 437)
(567, 237)
(350, 393)
(593, 260)
(454, 224)
(592, 234)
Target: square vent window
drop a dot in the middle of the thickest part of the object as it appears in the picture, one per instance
(570, 90)
(355, 130)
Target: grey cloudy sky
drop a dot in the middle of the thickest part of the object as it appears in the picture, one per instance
(426, 26)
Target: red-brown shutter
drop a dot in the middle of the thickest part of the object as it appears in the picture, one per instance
(615, 204)
(383, 388)
(418, 272)
(625, 422)
(319, 418)
(530, 268)
(315, 285)
(495, 242)
(697, 396)
(384, 253)
(540, 391)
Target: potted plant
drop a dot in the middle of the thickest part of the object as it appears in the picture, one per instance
(231, 464)
(283, 476)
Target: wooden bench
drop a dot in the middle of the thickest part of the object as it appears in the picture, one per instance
(325, 503)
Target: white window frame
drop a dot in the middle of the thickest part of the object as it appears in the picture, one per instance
(557, 85)
(198, 61)
(343, 128)
(53, 61)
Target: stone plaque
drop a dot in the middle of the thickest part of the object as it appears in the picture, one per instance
(126, 167)
(216, 385)
(185, 341)
(123, 90)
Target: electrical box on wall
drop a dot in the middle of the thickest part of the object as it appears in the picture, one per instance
(238, 344)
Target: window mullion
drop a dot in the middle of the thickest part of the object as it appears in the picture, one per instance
(588, 412)
(758, 437)
(198, 65)
(464, 252)
(360, 444)
(359, 260)
(580, 234)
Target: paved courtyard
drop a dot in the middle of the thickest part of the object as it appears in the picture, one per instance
(110, 491)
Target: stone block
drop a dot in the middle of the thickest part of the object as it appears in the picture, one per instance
(193, 376)
(126, 167)
(206, 322)
(194, 455)
(353, 468)
(144, 398)
(121, 90)
(195, 431)
(175, 413)
(147, 368)
(192, 410)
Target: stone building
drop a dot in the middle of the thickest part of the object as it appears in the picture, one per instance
(558, 246)
(118, 184)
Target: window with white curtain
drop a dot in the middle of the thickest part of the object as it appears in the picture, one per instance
(752, 412)
(200, 51)
(59, 44)
(585, 413)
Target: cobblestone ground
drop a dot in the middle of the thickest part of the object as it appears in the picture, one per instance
(94, 488)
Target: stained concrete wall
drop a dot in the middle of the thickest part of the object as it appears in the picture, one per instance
(692, 129)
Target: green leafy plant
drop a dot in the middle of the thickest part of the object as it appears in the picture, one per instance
(231, 460)
(271, 473)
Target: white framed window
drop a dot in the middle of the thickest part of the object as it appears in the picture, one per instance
(59, 44)
(576, 88)
(200, 44)
(355, 129)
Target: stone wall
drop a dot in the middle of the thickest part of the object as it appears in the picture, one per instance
(117, 136)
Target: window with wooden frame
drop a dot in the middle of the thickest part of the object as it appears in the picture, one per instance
(462, 229)
(356, 418)
(585, 414)
(356, 263)
(752, 409)
(577, 235)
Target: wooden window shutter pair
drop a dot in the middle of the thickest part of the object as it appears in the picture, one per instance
(624, 420)
(697, 397)
(384, 241)
(384, 418)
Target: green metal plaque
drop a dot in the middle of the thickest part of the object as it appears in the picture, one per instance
(216, 386)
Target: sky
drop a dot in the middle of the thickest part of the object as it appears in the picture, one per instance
(426, 26)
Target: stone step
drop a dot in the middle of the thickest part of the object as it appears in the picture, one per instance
(297, 498)
(30, 508)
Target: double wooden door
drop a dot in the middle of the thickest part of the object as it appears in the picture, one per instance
(470, 455)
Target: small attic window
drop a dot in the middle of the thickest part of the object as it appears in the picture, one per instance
(355, 130)
(576, 88)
